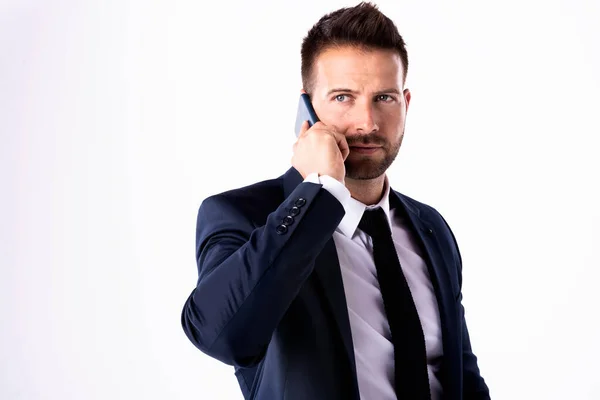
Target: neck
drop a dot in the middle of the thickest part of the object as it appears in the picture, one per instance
(368, 192)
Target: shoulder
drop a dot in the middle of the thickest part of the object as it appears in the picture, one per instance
(422, 207)
(259, 191)
(432, 216)
(251, 201)
(423, 210)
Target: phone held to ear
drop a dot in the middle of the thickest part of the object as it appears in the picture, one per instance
(306, 112)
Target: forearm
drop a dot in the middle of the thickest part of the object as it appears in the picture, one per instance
(249, 277)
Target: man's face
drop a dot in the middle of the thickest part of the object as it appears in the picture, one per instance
(360, 93)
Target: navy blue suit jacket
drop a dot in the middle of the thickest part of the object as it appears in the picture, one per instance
(270, 300)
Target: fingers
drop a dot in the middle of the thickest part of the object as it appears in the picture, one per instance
(342, 145)
(305, 126)
(339, 138)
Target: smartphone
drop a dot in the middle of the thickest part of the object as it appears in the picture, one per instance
(306, 112)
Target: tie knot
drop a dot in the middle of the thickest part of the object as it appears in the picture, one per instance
(375, 223)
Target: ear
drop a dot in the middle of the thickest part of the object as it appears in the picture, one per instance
(406, 94)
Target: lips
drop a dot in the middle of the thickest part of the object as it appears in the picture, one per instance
(364, 149)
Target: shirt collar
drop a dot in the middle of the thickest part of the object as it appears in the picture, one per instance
(355, 209)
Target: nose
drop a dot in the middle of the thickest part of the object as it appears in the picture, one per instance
(364, 119)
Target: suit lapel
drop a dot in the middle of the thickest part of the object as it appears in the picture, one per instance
(425, 234)
(439, 275)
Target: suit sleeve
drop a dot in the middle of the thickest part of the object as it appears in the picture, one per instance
(248, 276)
(474, 386)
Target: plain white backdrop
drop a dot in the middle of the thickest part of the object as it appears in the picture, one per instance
(117, 119)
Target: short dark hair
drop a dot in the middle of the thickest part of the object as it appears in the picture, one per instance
(362, 26)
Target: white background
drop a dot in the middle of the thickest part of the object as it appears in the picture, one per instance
(118, 117)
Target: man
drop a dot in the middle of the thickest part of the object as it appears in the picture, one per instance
(325, 283)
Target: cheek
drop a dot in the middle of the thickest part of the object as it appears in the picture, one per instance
(391, 118)
(336, 116)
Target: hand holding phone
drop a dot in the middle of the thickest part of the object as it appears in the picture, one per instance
(319, 148)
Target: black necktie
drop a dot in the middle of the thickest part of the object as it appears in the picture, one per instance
(410, 358)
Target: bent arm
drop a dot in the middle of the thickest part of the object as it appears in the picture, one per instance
(249, 276)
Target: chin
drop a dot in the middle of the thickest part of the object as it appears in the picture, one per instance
(369, 168)
(365, 172)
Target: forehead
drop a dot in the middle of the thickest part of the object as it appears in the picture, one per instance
(357, 68)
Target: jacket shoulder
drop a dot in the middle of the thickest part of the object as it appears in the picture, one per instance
(254, 200)
(420, 207)
(432, 215)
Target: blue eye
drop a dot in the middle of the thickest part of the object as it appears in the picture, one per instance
(384, 97)
(340, 97)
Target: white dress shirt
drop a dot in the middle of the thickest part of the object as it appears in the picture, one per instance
(371, 338)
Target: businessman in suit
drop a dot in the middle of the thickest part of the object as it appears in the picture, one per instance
(326, 283)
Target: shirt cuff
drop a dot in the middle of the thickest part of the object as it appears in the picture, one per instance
(332, 185)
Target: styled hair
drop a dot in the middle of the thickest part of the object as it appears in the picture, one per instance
(362, 26)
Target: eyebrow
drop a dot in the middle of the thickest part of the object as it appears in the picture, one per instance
(345, 90)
